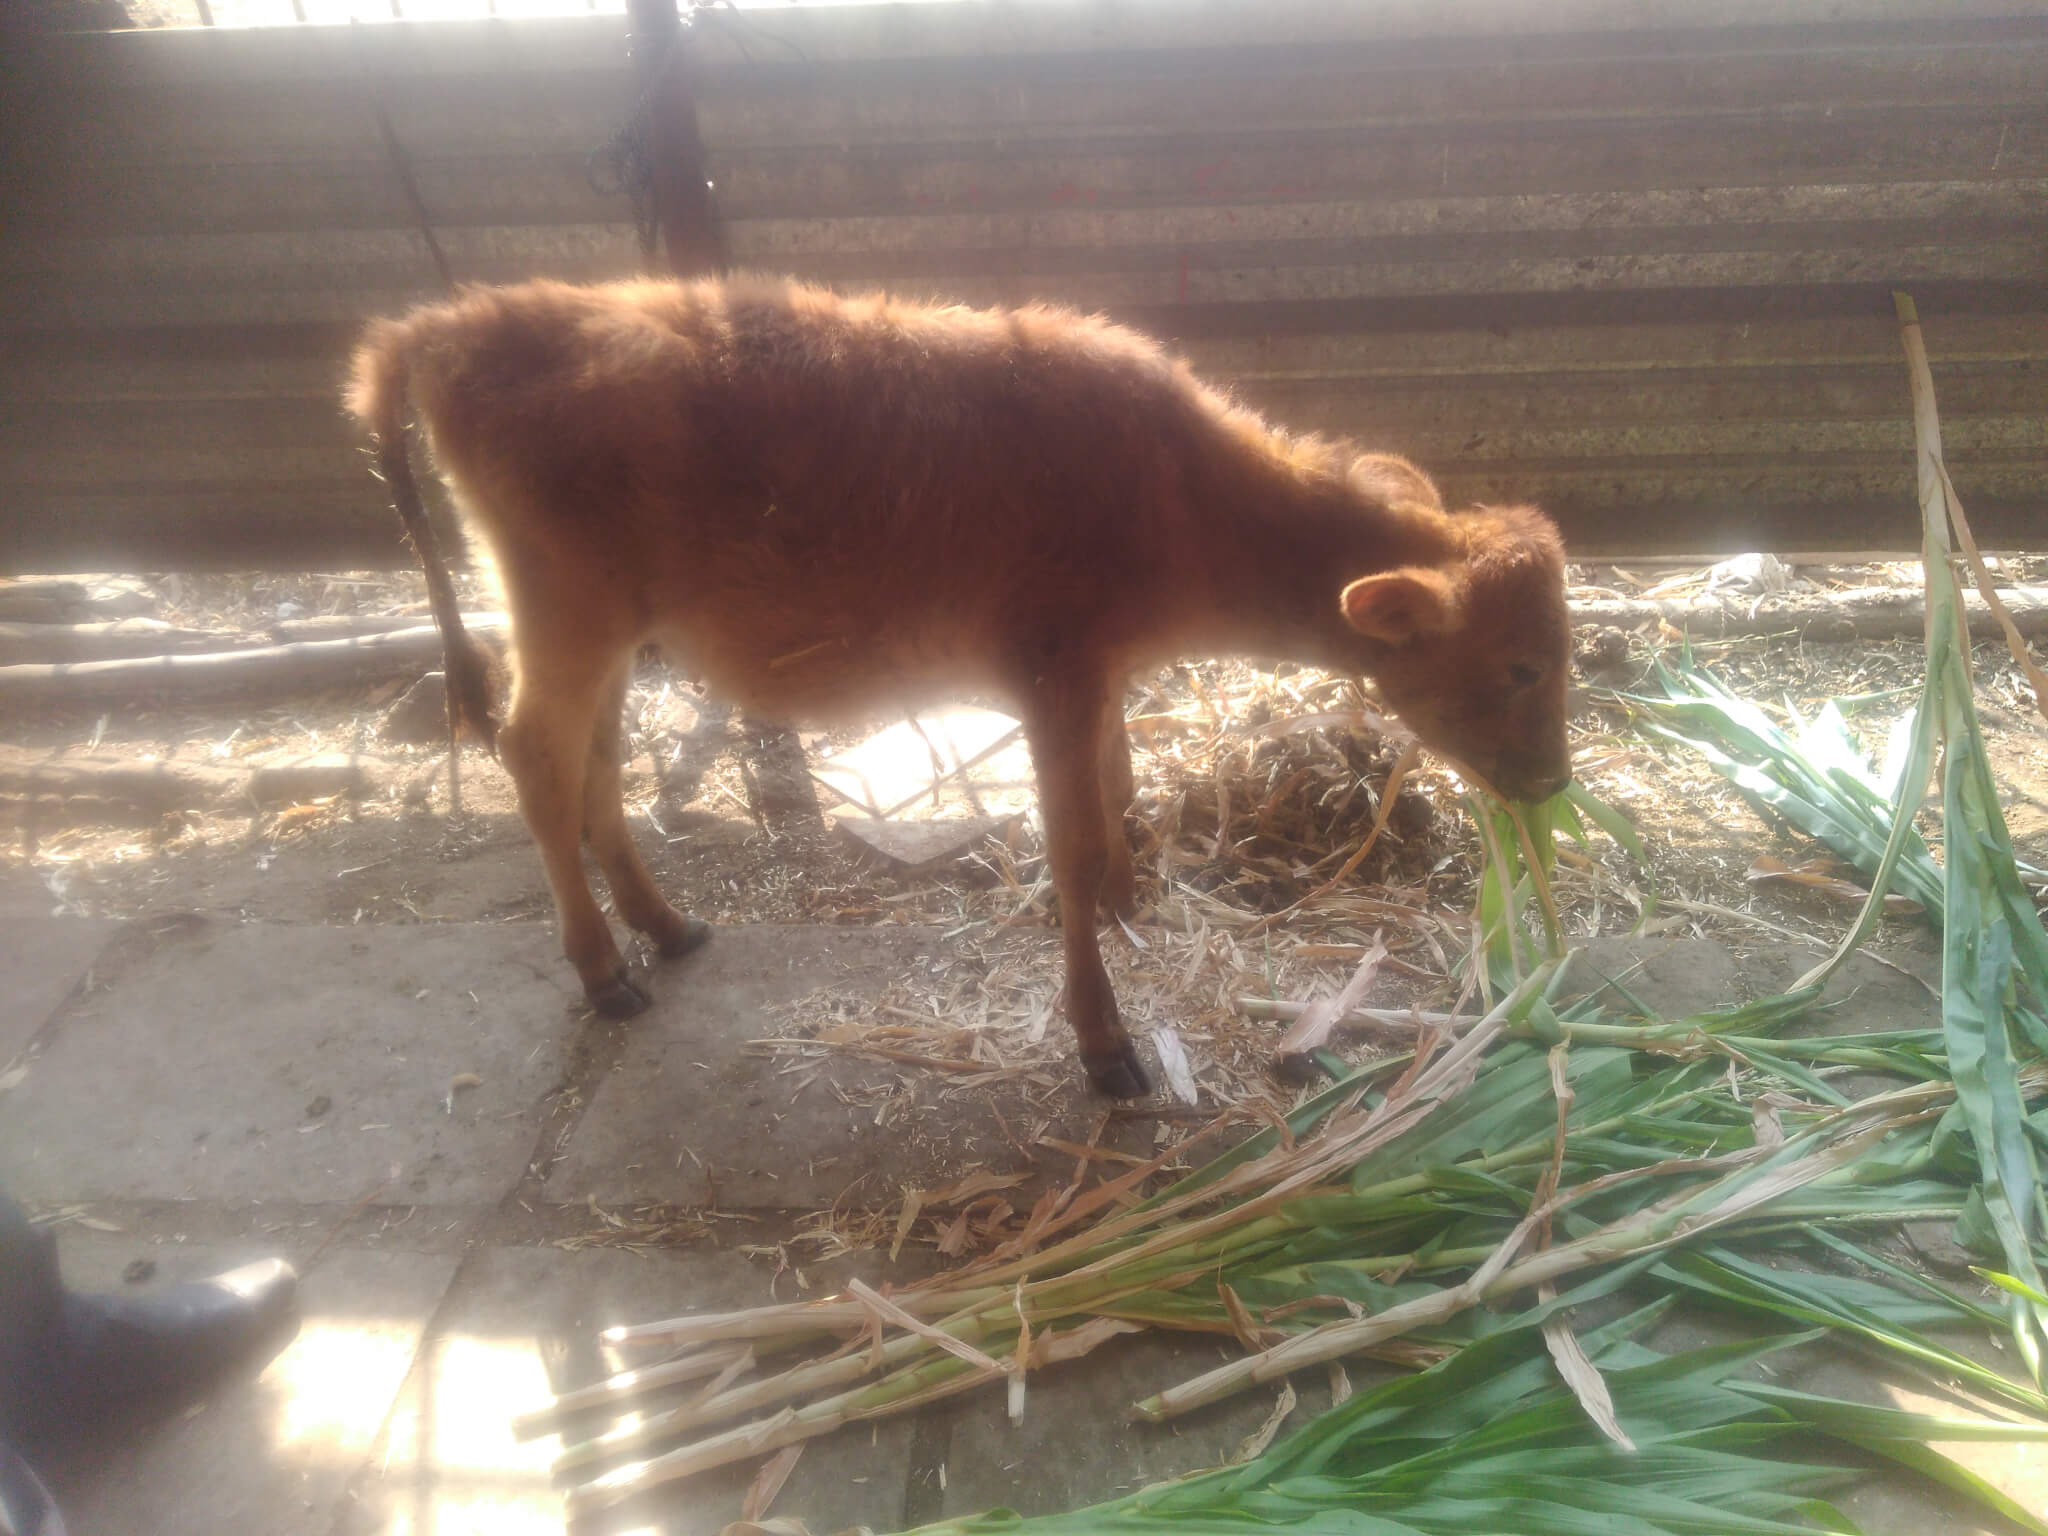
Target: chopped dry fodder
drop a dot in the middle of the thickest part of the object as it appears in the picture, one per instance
(644, 1229)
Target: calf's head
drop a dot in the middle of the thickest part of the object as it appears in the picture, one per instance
(1474, 653)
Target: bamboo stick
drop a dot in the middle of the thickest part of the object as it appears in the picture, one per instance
(617, 1391)
(901, 1392)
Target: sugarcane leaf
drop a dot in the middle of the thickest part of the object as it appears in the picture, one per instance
(1813, 1086)
(1980, 950)
(1815, 1296)
(1930, 1463)
(2010, 1284)
(1582, 802)
(1764, 1013)
(1565, 818)
(1300, 1123)
(1977, 986)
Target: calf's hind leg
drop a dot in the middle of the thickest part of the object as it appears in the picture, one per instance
(634, 892)
(546, 747)
(1063, 721)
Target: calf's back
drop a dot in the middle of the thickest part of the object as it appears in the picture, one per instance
(819, 503)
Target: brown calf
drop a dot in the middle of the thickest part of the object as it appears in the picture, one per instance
(822, 505)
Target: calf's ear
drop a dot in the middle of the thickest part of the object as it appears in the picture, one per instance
(1401, 606)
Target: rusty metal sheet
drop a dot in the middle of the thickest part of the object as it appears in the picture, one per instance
(1207, 167)
(851, 33)
(1428, 86)
(1624, 257)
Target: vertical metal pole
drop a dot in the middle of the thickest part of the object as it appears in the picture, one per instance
(685, 214)
(692, 244)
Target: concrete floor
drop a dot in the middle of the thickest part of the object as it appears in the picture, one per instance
(199, 1092)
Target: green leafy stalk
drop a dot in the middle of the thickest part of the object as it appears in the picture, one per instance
(1991, 921)
(1994, 949)
(1518, 844)
(1489, 1441)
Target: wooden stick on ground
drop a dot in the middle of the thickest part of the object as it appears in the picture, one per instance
(109, 640)
(272, 669)
(29, 641)
(150, 789)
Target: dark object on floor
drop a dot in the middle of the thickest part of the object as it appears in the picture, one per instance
(75, 1365)
(1603, 651)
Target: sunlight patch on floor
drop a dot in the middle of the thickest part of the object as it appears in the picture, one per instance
(450, 1463)
(334, 1378)
(2018, 1470)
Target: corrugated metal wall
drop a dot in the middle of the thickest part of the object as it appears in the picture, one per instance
(1625, 257)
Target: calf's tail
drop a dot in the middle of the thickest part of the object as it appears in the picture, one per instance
(377, 395)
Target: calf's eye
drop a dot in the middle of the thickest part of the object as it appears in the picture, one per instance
(1522, 675)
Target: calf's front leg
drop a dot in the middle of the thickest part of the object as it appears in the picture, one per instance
(634, 893)
(1064, 721)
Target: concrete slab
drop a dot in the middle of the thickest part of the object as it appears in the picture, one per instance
(689, 1113)
(274, 1454)
(303, 1064)
(390, 871)
(692, 1116)
(42, 960)
(523, 1323)
(1868, 994)
(1671, 977)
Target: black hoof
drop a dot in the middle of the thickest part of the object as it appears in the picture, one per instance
(618, 998)
(1120, 1075)
(695, 931)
